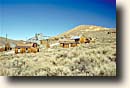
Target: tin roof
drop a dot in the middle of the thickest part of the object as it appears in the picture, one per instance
(75, 37)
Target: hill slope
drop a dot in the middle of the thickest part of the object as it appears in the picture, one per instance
(81, 29)
(3, 41)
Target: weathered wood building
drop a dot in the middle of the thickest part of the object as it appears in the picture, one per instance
(73, 41)
(66, 43)
(26, 48)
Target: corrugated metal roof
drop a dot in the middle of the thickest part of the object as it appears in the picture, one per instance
(75, 37)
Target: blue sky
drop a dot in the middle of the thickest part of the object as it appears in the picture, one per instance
(21, 19)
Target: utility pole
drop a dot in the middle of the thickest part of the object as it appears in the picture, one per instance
(6, 37)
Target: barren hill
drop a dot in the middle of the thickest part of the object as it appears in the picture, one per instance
(81, 29)
(3, 41)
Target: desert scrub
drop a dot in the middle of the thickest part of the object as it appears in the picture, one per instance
(59, 71)
(108, 69)
(93, 59)
(73, 53)
(4, 71)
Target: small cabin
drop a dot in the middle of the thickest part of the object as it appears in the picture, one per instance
(7, 46)
(66, 43)
(26, 48)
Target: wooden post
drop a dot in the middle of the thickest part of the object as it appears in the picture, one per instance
(66, 45)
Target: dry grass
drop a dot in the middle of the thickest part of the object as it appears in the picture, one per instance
(94, 59)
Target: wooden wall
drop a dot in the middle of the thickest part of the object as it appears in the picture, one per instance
(66, 45)
(73, 44)
(27, 50)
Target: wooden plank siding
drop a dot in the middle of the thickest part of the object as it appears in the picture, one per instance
(27, 48)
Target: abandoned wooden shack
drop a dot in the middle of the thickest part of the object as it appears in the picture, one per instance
(6, 46)
(66, 43)
(76, 41)
(26, 48)
(73, 41)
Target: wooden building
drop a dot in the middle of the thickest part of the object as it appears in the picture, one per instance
(26, 48)
(66, 43)
(73, 41)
